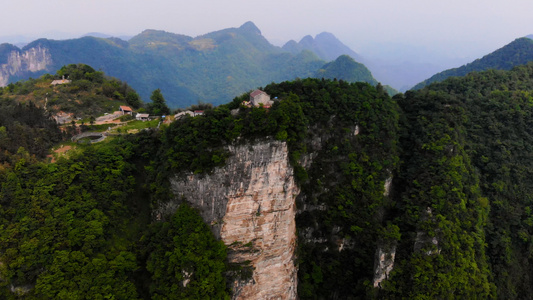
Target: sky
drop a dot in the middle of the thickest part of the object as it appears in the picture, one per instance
(423, 30)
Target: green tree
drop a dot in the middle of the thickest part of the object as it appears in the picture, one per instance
(158, 106)
(133, 99)
(186, 260)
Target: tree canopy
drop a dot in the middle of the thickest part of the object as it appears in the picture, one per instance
(158, 106)
(436, 180)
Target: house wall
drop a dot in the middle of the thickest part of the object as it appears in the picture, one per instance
(262, 98)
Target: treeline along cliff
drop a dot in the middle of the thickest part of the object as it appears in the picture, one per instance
(336, 191)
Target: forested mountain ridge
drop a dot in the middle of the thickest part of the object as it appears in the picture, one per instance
(210, 68)
(469, 159)
(85, 93)
(423, 195)
(25, 130)
(518, 52)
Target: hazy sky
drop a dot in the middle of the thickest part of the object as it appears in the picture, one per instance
(452, 28)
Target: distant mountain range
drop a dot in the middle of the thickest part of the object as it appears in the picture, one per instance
(106, 36)
(518, 52)
(325, 45)
(217, 66)
(213, 68)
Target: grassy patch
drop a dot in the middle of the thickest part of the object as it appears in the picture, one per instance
(135, 126)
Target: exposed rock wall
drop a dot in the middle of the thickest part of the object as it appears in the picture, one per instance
(250, 204)
(20, 63)
(384, 263)
(424, 241)
(386, 250)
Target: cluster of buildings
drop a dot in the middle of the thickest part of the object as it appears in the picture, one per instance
(258, 98)
(126, 110)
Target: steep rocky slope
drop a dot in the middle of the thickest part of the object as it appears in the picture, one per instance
(22, 63)
(252, 201)
(250, 204)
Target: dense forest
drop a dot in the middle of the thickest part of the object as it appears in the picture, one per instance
(437, 179)
(484, 125)
(27, 127)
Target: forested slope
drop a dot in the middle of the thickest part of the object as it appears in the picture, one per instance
(26, 126)
(345, 68)
(433, 186)
(89, 93)
(518, 52)
(467, 153)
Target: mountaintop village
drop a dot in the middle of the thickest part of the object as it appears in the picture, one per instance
(258, 98)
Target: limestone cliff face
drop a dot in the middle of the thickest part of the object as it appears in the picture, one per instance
(250, 204)
(386, 250)
(20, 63)
(385, 256)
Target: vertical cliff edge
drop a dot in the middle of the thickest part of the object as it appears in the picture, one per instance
(23, 63)
(250, 204)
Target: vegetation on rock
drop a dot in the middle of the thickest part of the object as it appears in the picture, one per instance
(440, 177)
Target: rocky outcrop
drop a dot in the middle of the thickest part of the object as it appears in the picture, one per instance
(384, 263)
(20, 63)
(386, 249)
(22, 290)
(250, 204)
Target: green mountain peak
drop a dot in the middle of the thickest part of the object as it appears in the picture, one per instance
(518, 52)
(346, 68)
(250, 27)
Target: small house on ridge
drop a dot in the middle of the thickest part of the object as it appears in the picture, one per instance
(125, 110)
(259, 97)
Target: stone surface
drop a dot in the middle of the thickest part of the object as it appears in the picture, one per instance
(20, 63)
(384, 264)
(250, 204)
(386, 250)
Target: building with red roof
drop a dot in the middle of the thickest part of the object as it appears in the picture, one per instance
(125, 110)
